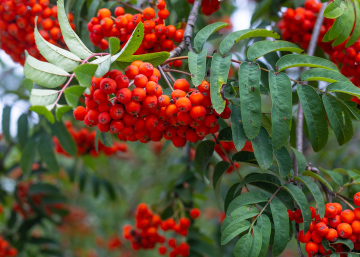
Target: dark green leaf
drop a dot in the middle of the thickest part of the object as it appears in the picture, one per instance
(250, 98)
(346, 242)
(353, 108)
(230, 195)
(281, 112)
(320, 74)
(349, 12)
(339, 119)
(97, 138)
(296, 60)
(105, 139)
(72, 95)
(96, 186)
(261, 48)
(77, 12)
(256, 242)
(5, 123)
(28, 155)
(43, 189)
(242, 248)
(197, 66)
(154, 58)
(247, 198)
(66, 141)
(22, 127)
(203, 35)
(317, 177)
(301, 160)
(336, 177)
(238, 133)
(338, 26)
(263, 149)
(203, 155)
(264, 224)
(234, 230)
(84, 74)
(47, 153)
(314, 115)
(219, 74)
(226, 134)
(61, 110)
(44, 110)
(283, 158)
(109, 189)
(347, 88)
(281, 225)
(334, 9)
(219, 171)
(237, 36)
(244, 156)
(356, 31)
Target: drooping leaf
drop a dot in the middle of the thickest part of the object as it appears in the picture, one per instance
(339, 119)
(250, 98)
(247, 198)
(336, 177)
(242, 248)
(261, 48)
(263, 149)
(43, 73)
(84, 74)
(219, 171)
(66, 141)
(114, 45)
(338, 26)
(318, 178)
(28, 155)
(315, 191)
(197, 66)
(56, 55)
(264, 224)
(234, 230)
(72, 95)
(61, 110)
(219, 74)
(44, 110)
(352, 107)
(281, 225)
(349, 12)
(320, 74)
(106, 139)
(314, 114)
(256, 242)
(5, 123)
(22, 129)
(202, 36)
(96, 186)
(103, 65)
(72, 41)
(346, 242)
(203, 154)
(226, 134)
(334, 9)
(281, 112)
(77, 12)
(154, 58)
(356, 31)
(109, 189)
(47, 153)
(346, 88)
(133, 43)
(301, 160)
(237, 36)
(284, 161)
(230, 195)
(296, 60)
(43, 97)
(238, 133)
(97, 139)
(245, 156)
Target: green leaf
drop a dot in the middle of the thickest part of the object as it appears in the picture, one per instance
(281, 225)
(226, 134)
(203, 35)
(346, 88)
(133, 43)
(244, 156)
(244, 213)
(339, 119)
(43, 97)
(300, 159)
(61, 110)
(28, 155)
(314, 115)
(219, 74)
(97, 138)
(43, 189)
(242, 248)
(43, 73)
(336, 177)
(250, 98)
(77, 12)
(352, 107)
(28, 84)
(263, 149)
(72, 41)
(56, 55)
(334, 9)
(346, 242)
(256, 242)
(93, 7)
(315, 191)
(281, 112)
(264, 224)
(234, 230)
(103, 67)
(203, 155)
(66, 141)
(114, 45)
(320, 74)
(230, 195)
(47, 153)
(302, 202)
(219, 171)
(284, 161)
(197, 66)
(44, 110)
(96, 186)
(238, 133)
(72, 95)
(349, 12)
(237, 36)
(318, 178)
(84, 74)
(261, 48)
(5, 123)
(356, 32)
(154, 58)
(22, 129)
(109, 189)
(106, 140)
(337, 28)
(296, 60)
(246, 199)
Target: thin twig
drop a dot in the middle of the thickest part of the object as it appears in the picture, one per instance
(171, 77)
(188, 31)
(343, 199)
(130, 6)
(178, 71)
(165, 77)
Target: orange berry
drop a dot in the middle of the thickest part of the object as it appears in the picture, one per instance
(182, 84)
(321, 229)
(311, 248)
(147, 69)
(304, 238)
(347, 216)
(103, 13)
(163, 14)
(344, 230)
(332, 235)
(198, 112)
(357, 199)
(330, 210)
(183, 104)
(119, 11)
(148, 13)
(131, 71)
(355, 226)
(140, 81)
(179, 34)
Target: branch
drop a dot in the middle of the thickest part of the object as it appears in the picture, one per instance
(166, 79)
(178, 71)
(188, 31)
(130, 6)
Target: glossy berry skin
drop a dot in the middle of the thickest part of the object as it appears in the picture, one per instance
(344, 230)
(311, 248)
(79, 113)
(194, 213)
(357, 199)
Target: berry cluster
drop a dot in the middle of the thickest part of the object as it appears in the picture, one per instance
(145, 234)
(17, 21)
(208, 7)
(85, 141)
(144, 114)
(158, 37)
(337, 223)
(347, 58)
(6, 250)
